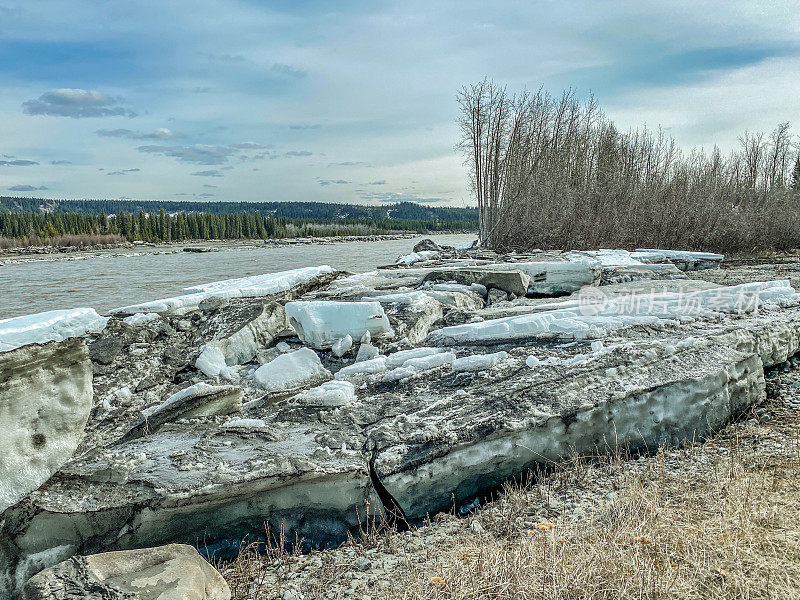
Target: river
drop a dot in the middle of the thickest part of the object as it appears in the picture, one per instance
(105, 280)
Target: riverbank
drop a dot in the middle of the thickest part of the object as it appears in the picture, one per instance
(56, 252)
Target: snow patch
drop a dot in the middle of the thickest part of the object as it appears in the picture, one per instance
(51, 326)
(244, 287)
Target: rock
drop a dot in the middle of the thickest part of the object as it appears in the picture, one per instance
(427, 245)
(104, 351)
(173, 572)
(496, 295)
(510, 281)
(45, 399)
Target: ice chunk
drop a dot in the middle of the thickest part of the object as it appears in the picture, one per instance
(604, 257)
(292, 371)
(479, 362)
(321, 323)
(684, 260)
(241, 424)
(360, 369)
(244, 287)
(532, 361)
(140, 318)
(342, 346)
(198, 390)
(330, 393)
(198, 400)
(283, 347)
(414, 367)
(397, 359)
(366, 352)
(415, 257)
(211, 360)
(51, 326)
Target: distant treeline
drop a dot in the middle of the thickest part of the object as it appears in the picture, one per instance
(310, 211)
(23, 218)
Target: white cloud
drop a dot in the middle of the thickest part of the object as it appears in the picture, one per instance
(75, 103)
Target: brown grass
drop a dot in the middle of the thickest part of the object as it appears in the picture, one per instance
(724, 524)
(714, 521)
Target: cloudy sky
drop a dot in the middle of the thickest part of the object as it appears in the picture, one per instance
(351, 100)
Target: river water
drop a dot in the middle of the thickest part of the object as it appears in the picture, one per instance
(106, 280)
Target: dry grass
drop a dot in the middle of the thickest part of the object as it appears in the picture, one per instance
(711, 521)
(721, 523)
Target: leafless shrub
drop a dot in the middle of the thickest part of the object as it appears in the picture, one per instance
(555, 172)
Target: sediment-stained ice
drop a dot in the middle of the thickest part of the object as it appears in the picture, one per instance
(45, 398)
(596, 316)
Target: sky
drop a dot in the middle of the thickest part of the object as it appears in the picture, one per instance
(354, 100)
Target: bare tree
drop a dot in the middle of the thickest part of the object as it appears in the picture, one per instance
(556, 172)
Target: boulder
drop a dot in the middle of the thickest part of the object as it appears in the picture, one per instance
(45, 399)
(427, 245)
(172, 572)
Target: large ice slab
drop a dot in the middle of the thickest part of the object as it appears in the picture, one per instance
(321, 323)
(554, 277)
(244, 287)
(596, 315)
(236, 346)
(446, 445)
(683, 259)
(45, 398)
(51, 326)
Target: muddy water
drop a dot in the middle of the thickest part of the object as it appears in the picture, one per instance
(118, 278)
